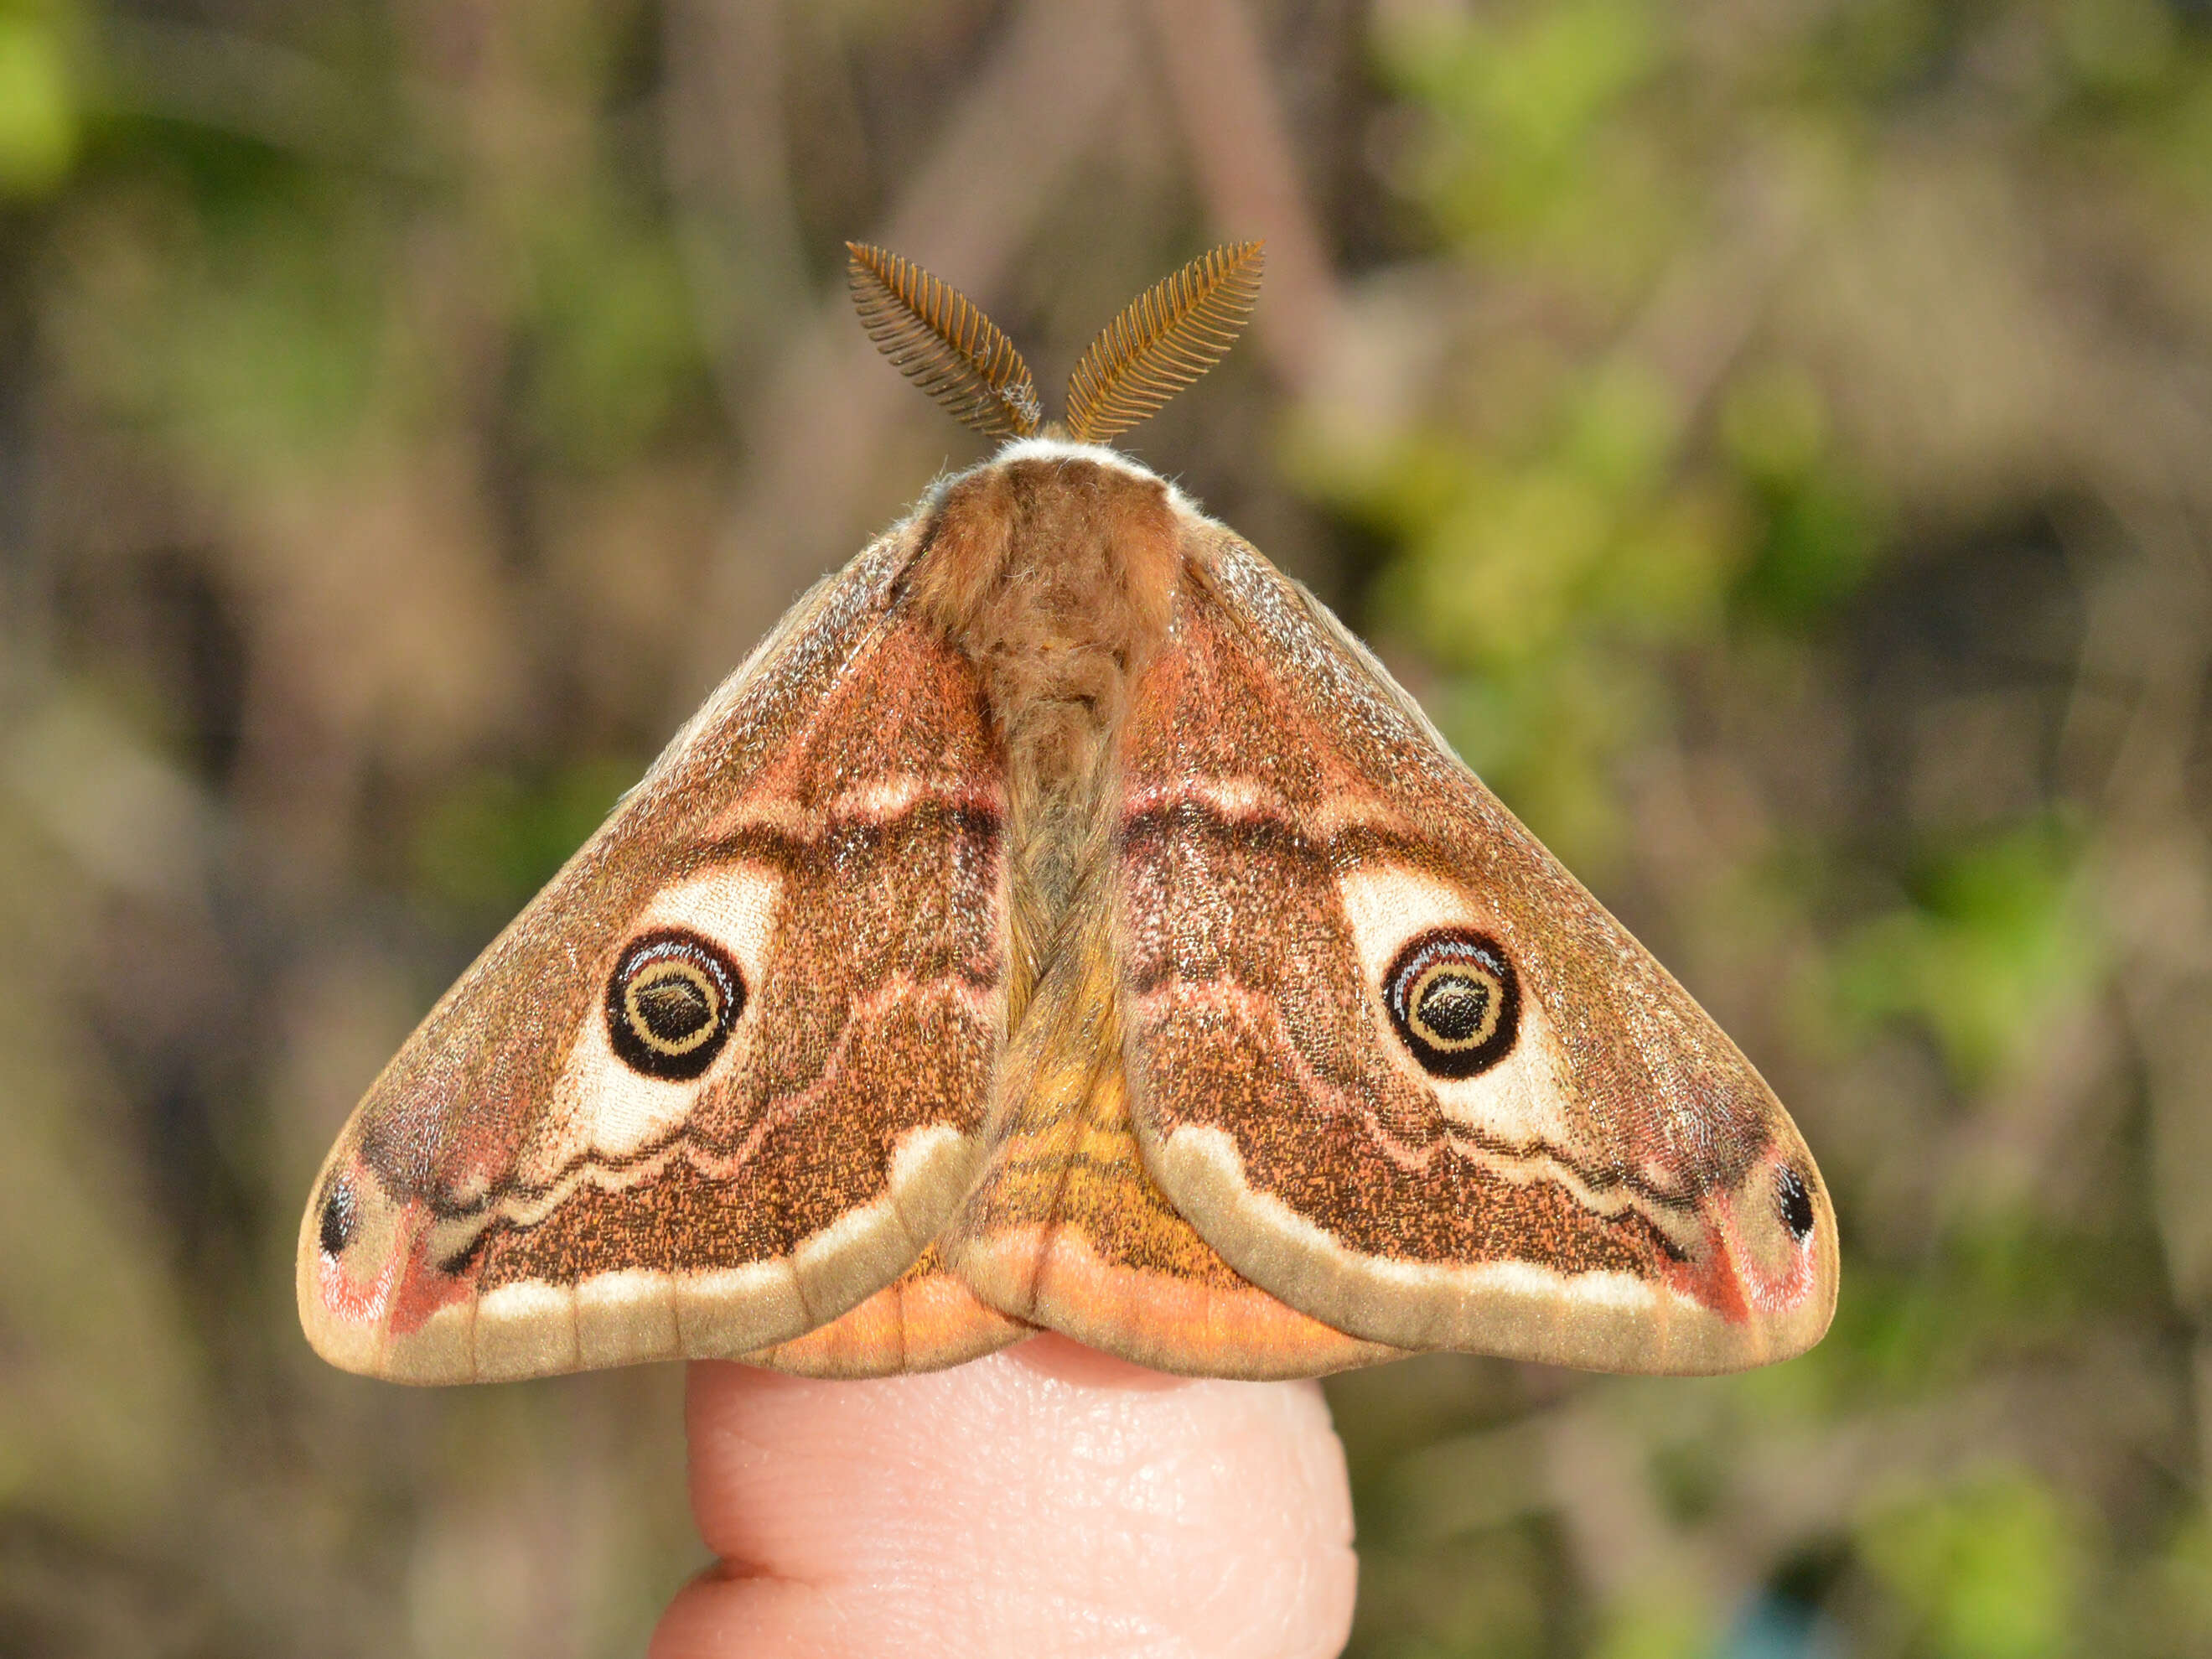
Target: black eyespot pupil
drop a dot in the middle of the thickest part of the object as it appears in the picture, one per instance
(334, 1231)
(1454, 1001)
(1796, 1204)
(673, 1007)
(1453, 1006)
(672, 1002)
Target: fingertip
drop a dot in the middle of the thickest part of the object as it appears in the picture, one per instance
(1048, 1496)
(1065, 1360)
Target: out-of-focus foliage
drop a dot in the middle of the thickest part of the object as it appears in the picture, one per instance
(1773, 440)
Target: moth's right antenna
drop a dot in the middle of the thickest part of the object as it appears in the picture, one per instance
(1167, 337)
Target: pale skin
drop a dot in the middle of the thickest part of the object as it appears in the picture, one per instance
(1047, 1500)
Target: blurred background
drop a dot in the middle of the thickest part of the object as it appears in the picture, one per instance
(1774, 438)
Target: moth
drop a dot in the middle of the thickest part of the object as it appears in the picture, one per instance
(1061, 921)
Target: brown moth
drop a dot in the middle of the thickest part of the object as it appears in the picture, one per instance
(1061, 921)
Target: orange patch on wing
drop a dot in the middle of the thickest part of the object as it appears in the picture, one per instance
(922, 1321)
(1174, 1322)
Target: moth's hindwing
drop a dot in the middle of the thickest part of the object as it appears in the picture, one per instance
(722, 1081)
(1065, 1229)
(926, 1319)
(1393, 1063)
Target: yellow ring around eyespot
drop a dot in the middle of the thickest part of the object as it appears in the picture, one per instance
(1494, 1004)
(653, 973)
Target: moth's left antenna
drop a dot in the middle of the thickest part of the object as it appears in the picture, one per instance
(940, 341)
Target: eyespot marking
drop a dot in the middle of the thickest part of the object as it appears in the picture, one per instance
(1795, 1200)
(671, 1001)
(1454, 1001)
(336, 1229)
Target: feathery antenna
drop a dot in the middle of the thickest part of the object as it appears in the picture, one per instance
(1165, 338)
(939, 340)
(1168, 336)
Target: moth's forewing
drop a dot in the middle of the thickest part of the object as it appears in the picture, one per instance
(1394, 1063)
(721, 1081)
